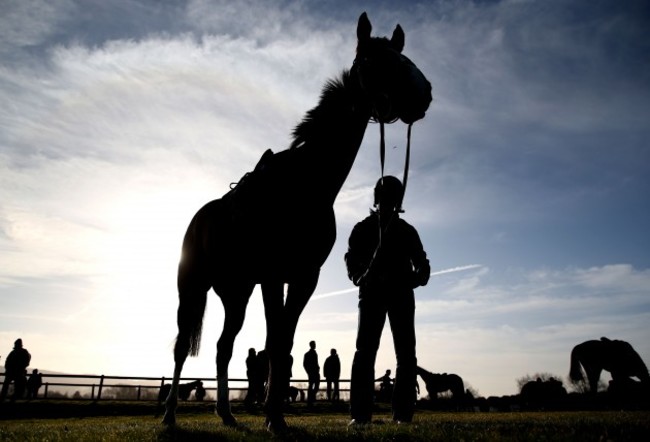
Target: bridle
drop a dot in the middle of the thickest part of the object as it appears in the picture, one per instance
(377, 116)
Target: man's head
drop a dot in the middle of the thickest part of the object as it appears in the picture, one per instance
(388, 194)
(18, 343)
(312, 344)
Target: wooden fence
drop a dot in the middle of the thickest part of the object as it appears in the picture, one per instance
(95, 388)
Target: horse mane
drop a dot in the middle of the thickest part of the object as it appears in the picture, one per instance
(336, 95)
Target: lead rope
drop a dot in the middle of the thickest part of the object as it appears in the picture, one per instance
(382, 158)
(407, 161)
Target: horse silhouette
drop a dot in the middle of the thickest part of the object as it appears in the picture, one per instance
(539, 394)
(616, 357)
(439, 383)
(293, 393)
(184, 390)
(277, 226)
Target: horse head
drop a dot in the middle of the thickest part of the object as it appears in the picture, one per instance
(394, 85)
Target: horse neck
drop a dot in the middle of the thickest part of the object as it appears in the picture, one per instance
(330, 135)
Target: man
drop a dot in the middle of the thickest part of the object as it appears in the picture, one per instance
(310, 363)
(34, 384)
(16, 371)
(386, 260)
(252, 395)
(332, 373)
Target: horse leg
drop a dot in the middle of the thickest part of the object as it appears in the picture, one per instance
(282, 320)
(298, 294)
(234, 306)
(273, 296)
(593, 375)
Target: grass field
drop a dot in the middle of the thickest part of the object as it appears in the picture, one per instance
(199, 424)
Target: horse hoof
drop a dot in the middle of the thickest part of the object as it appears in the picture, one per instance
(276, 425)
(169, 419)
(229, 421)
(226, 416)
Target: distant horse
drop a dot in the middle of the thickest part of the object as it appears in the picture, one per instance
(277, 226)
(539, 394)
(617, 357)
(293, 392)
(184, 390)
(439, 383)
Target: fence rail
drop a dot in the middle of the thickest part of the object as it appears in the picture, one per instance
(99, 385)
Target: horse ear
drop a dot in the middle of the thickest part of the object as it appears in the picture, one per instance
(363, 28)
(397, 40)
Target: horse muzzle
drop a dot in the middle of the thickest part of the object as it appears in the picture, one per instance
(415, 100)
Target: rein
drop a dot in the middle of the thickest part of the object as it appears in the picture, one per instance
(382, 159)
(407, 160)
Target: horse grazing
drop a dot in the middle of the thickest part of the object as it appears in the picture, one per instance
(617, 357)
(184, 390)
(440, 383)
(540, 395)
(277, 226)
(292, 394)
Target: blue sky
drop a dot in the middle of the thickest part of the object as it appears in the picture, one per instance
(529, 175)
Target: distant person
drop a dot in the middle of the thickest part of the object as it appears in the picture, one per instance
(386, 260)
(262, 375)
(34, 383)
(310, 363)
(386, 381)
(252, 369)
(199, 394)
(332, 373)
(386, 387)
(16, 371)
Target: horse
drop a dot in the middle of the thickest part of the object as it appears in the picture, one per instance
(184, 390)
(439, 383)
(616, 357)
(276, 227)
(292, 394)
(539, 394)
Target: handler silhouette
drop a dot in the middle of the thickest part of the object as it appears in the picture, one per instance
(16, 371)
(386, 260)
(332, 373)
(310, 364)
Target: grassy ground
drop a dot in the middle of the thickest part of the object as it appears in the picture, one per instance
(329, 425)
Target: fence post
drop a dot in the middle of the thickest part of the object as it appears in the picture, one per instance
(139, 391)
(47, 384)
(101, 385)
(162, 384)
(92, 393)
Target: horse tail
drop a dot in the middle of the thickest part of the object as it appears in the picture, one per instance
(575, 372)
(193, 286)
(191, 308)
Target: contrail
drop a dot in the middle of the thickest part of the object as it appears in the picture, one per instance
(457, 269)
(436, 273)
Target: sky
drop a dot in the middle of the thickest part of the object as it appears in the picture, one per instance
(529, 181)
